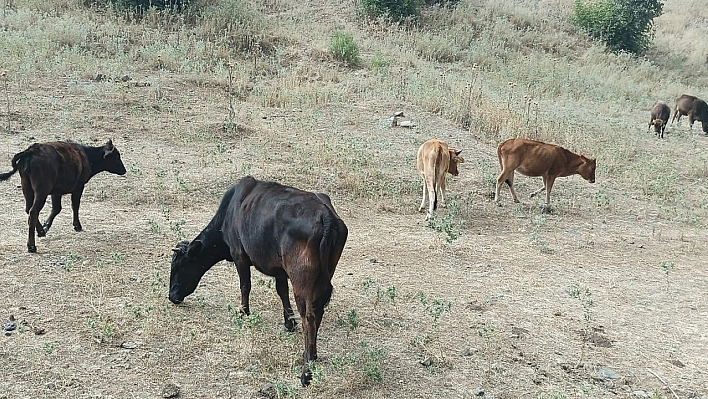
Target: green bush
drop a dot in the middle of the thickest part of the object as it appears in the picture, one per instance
(623, 25)
(344, 48)
(397, 10)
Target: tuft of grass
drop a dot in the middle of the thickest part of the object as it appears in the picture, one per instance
(344, 48)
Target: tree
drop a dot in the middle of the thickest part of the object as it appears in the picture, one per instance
(623, 25)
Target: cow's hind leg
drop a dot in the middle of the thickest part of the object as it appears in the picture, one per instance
(33, 221)
(281, 286)
(309, 328)
(56, 208)
(425, 192)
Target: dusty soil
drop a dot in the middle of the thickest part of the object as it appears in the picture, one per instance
(412, 315)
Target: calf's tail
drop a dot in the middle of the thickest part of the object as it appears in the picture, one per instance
(15, 161)
(334, 236)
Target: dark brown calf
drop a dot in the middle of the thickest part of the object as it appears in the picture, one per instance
(56, 169)
(283, 232)
(534, 158)
(660, 114)
(694, 107)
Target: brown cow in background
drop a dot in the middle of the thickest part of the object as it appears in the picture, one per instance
(435, 159)
(534, 158)
(660, 114)
(694, 107)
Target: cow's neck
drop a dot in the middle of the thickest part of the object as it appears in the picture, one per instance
(214, 249)
(95, 158)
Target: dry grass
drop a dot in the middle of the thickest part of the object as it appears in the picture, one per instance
(489, 309)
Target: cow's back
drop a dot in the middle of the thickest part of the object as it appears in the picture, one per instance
(63, 165)
(531, 157)
(433, 159)
(268, 220)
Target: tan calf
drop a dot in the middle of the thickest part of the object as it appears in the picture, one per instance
(534, 158)
(435, 159)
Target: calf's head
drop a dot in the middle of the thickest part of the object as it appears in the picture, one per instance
(587, 169)
(186, 270)
(455, 159)
(111, 159)
(657, 123)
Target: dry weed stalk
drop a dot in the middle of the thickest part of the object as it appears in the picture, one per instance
(232, 113)
(3, 74)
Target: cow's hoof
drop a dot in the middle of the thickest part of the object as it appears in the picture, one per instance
(78, 228)
(41, 233)
(32, 248)
(289, 325)
(306, 378)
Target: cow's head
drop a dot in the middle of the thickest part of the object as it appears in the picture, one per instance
(455, 159)
(186, 270)
(587, 169)
(111, 159)
(657, 123)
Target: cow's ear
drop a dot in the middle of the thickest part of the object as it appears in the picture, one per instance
(194, 248)
(108, 148)
(460, 160)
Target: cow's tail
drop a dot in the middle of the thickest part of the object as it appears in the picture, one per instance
(15, 165)
(334, 236)
(438, 162)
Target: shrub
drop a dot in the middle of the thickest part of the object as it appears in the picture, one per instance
(344, 48)
(623, 25)
(397, 10)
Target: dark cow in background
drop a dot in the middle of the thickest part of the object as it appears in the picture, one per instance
(285, 233)
(55, 169)
(534, 158)
(660, 114)
(694, 107)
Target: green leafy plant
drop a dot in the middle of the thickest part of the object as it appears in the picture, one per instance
(396, 10)
(344, 49)
(450, 224)
(623, 25)
(584, 296)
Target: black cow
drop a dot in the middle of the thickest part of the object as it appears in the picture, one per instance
(694, 107)
(285, 233)
(55, 169)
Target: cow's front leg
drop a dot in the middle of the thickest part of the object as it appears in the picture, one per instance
(75, 202)
(244, 275)
(281, 286)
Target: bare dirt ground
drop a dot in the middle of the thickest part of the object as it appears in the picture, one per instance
(412, 315)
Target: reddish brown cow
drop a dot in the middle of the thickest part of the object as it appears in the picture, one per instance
(534, 158)
(435, 158)
(660, 114)
(694, 107)
(56, 169)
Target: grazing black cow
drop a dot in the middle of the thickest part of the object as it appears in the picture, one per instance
(694, 107)
(55, 169)
(285, 233)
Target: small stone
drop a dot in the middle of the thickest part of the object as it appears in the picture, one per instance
(427, 362)
(9, 326)
(478, 392)
(170, 391)
(129, 345)
(606, 374)
(639, 394)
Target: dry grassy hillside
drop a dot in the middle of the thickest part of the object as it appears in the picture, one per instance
(603, 297)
